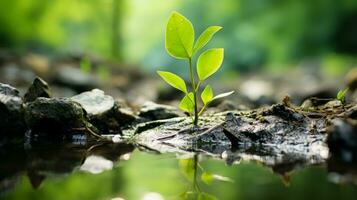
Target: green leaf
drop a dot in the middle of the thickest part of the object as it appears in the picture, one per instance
(342, 94)
(179, 36)
(173, 80)
(207, 95)
(209, 62)
(187, 103)
(205, 196)
(187, 168)
(205, 37)
(222, 95)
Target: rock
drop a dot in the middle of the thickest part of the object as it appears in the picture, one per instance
(342, 140)
(269, 135)
(95, 102)
(39, 88)
(11, 112)
(153, 111)
(103, 111)
(54, 114)
(75, 79)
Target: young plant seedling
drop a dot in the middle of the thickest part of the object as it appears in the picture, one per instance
(341, 95)
(180, 43)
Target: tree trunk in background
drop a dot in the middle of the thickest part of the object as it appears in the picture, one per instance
(116, 44)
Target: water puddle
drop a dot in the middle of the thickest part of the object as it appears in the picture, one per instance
(123, 171)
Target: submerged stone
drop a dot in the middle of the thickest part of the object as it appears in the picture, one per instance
(11, 112)
(39, 88)
(103, 111)
(54, 114)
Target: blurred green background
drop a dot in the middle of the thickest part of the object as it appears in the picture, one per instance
(257, 34)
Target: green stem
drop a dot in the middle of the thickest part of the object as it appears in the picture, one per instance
(195, 121)
(198, 85)
(201, 111)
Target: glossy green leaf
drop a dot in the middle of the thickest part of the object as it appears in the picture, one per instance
(205, 196)
(207, 95)
(173, 80)
(223, 95)
(187, 168)
(187, 103)
(342, 94)
(205, 37)
(179, 36)
(209, 62)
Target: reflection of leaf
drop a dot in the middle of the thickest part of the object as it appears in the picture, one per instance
(188, 195)
(208, 178)
(187, 168)
(205, 196)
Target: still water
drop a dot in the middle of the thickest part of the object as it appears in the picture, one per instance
(122, 171)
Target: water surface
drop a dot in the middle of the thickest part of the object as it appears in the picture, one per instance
(107, 171)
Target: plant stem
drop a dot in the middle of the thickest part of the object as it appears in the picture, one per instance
(193, 83)
(201, 111)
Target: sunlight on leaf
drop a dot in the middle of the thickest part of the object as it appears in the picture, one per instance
(173, 80)
(209, 62)
(188, 195)
(205, 37)
(186, 104)
(179, 36)
(207, 95)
